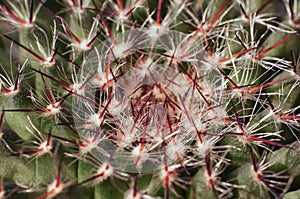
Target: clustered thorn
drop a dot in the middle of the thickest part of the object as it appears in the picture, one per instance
(141, 99)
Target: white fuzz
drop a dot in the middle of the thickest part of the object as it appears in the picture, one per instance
(103, 173)
(56, 188)
(130, 194)
(78, 88)
(52, 109)
(93, 121)
(121, 49)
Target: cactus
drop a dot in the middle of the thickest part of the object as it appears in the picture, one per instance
(141, 99)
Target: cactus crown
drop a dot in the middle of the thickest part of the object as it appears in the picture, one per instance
(141, 99)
